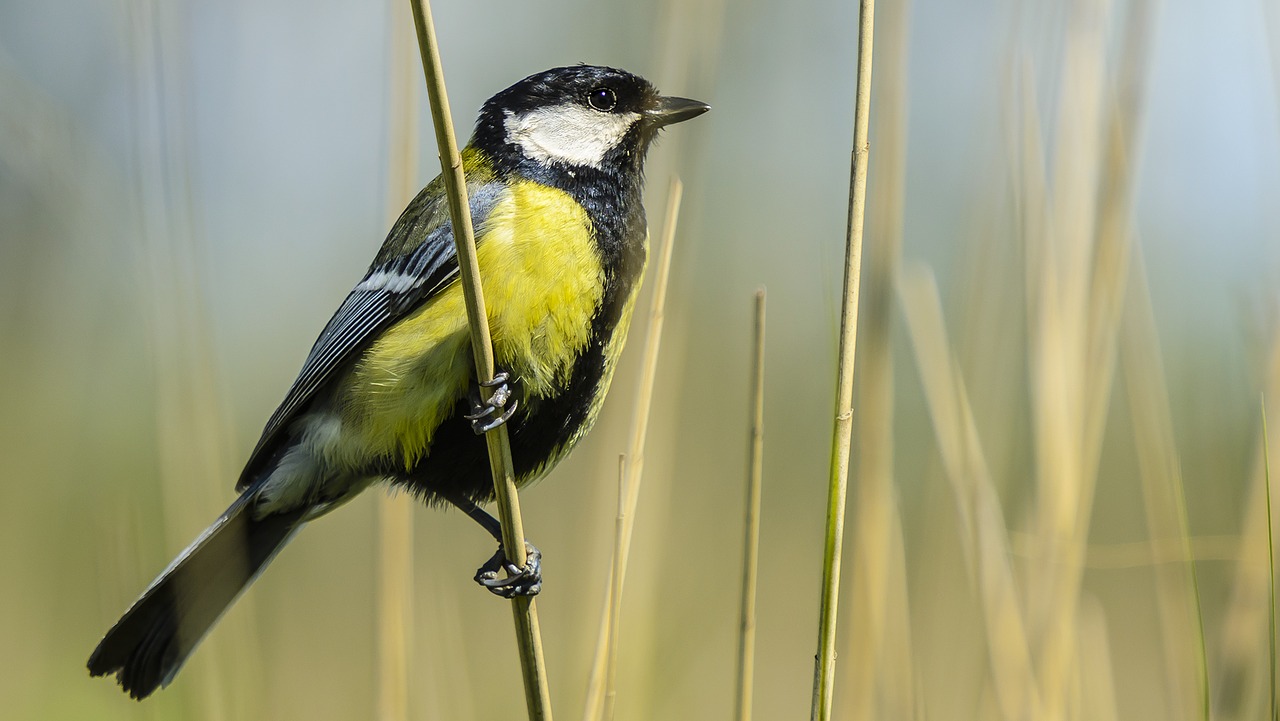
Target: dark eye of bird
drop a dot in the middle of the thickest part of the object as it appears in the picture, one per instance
(602, 99)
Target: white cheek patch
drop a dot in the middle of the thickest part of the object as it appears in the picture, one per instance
(568, 133)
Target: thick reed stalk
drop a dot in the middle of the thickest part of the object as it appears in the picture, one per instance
(825, 662)
(529, 639)
(751, 543)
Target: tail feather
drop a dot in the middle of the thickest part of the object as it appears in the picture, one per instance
(155, 636)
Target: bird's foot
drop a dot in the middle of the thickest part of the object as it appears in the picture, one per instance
(487, 415)
(520, 581)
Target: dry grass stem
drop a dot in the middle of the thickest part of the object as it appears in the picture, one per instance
(395, 513)
(1186, 674)
(649, 367)
(528, 634)
(615, 594)
(985, 542)
(1241, 683)
(192, 441)
(1097, 678)
(751, 541)
(1061, 409)
(1077, 274)
(395, 606)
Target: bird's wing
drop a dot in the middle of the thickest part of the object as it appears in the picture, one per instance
(405, 274)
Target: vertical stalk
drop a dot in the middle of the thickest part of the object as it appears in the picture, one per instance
(824, 671)
(876, 678)
(594, 707)
(529, 639)
(395, 513)
(751, 544)
(615, 595)
(1178, 604)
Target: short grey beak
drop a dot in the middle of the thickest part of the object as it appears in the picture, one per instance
(675, 110)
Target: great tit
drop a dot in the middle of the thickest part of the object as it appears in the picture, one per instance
(388, 393)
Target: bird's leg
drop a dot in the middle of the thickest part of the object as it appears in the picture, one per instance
(520, 581)
(487, 415)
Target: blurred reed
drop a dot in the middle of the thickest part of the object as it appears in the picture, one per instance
(1074, 234)
(1069, 387)
(751, 528)
(981, 517)
(1164, 501)
(1077, 274)
(600, 683)
(615, 595)
(1239, 683)
(395, 633)
(192, 439)
(1096, 682)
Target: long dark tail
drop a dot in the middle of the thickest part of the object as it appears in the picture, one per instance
(155, 636)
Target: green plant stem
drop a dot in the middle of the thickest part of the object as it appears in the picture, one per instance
(824, 672)
(537, 695)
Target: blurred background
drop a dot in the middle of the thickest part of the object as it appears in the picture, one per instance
(1068, 321)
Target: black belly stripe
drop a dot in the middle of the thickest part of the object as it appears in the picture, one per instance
(457, 463)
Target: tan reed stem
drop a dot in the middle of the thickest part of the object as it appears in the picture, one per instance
(751, 543)
(529, 638)
(824, 671)
(395, 513)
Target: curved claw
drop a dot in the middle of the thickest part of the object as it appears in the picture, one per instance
(497, 402)
(520, 581)
(483, 428)
(498, 379)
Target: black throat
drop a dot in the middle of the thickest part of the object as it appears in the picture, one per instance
(611, 194)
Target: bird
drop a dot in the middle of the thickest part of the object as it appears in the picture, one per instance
(388, 394)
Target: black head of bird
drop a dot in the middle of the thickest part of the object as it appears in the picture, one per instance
(577, 117)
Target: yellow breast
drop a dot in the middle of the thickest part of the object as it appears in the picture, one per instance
(542, 283)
